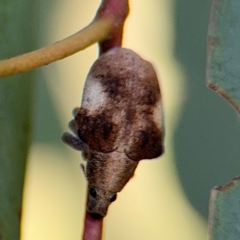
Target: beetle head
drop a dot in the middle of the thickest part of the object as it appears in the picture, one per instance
(98, 201)
(107, 174)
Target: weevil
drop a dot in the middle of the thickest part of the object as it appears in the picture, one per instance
(119, 123)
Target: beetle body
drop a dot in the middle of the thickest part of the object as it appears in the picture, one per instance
(118, 124)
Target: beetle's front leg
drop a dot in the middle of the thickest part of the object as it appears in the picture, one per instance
(73, 126)
(71, 140)
(74, 142)
(83, 169)
(74, 111)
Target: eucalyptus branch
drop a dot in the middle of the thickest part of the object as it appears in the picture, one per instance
(97, 31)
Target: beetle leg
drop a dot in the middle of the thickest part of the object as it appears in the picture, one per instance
(73, 126)
(74, 111)
(74, 142)
(83, 169)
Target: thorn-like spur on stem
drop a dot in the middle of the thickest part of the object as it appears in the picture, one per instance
(97, 31)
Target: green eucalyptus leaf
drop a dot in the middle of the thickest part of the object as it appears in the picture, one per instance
(223, 55)
(224, 213)
(16, 22)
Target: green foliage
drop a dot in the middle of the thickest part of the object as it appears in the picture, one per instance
(223, 71)
(15, 116)
(15, 110)
(223, 76)
(225, 212)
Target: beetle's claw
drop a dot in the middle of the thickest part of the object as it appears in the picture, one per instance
(73, 126)
(83, 169)
(74, 111)
(73, 142)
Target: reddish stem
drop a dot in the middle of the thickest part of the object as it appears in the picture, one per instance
(92, 228)
(118, 11)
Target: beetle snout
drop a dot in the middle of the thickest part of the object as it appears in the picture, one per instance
(99, 201)
(96, 215)
(97, 211)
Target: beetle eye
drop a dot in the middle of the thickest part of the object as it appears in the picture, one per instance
(113, 198)
(92, 192)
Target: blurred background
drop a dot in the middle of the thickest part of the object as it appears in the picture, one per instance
(168, 198)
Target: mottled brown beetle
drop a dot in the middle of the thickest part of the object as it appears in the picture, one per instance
(118, 124)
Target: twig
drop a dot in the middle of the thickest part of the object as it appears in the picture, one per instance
(92, 228)
(118, 11)
(97, 31)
